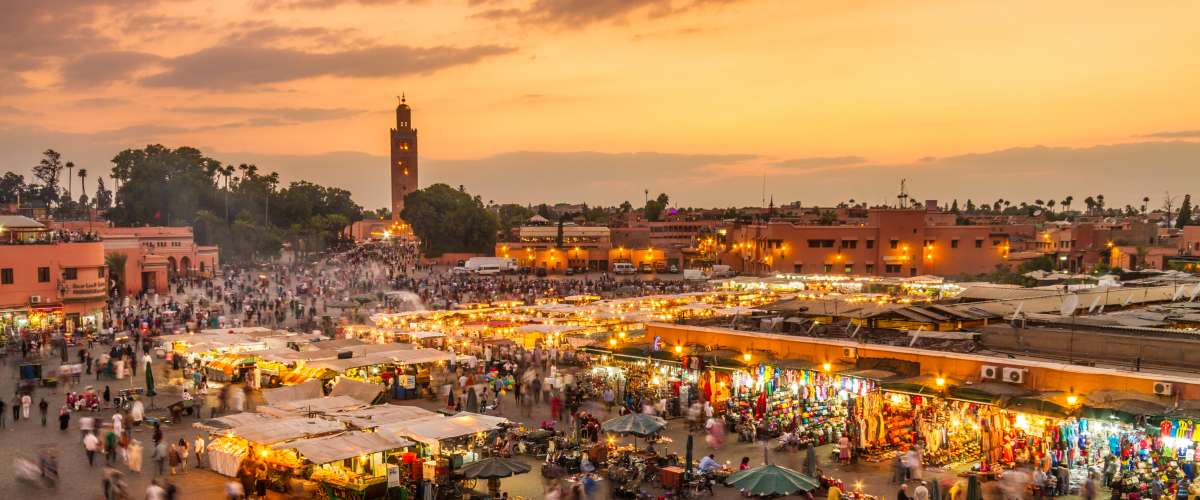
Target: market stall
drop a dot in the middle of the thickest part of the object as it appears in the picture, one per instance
(226, 452)
(352, 465)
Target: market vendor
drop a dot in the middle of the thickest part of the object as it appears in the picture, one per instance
(709, 464)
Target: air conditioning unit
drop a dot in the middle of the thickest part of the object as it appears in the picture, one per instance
(35, 299)
(849, 353)
(345, 354)
(1163, 388)
(989, 372)
(1013, 375)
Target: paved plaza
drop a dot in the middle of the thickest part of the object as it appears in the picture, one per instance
(78, 480)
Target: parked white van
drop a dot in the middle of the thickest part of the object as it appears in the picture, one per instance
(624, 268)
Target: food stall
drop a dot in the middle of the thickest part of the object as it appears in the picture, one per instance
(230, 447)
(447, 443)
(351, 465)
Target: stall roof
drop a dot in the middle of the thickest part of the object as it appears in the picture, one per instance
(307, 390)
(323, 450)
(286, 429)
(375, 416)
(232, 421)
(362, 391)
(318, 405)
(423, 335)
(436, 429)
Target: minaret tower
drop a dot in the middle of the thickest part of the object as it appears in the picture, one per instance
(404, 157)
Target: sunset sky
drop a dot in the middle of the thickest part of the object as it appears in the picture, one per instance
(598, 100)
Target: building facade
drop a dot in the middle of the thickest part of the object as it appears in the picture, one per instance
(404, 157)
(49, 280)
(153, 255)
(891, 242)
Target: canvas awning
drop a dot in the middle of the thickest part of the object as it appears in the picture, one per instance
(328, 449)
(375, 416)
(287, 429)
(314, 405)
(437, 429)
(307, 390)
(361, 391)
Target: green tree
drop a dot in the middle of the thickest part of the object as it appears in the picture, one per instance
(512, 215)
(449, 220)
(104, 196)
(48, 171)
(1185, 212)
(12, 187)
(116, 271)
(655, 207)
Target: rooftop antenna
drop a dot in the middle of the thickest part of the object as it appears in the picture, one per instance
(903, 196)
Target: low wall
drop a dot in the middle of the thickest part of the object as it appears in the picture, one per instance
(449, 259)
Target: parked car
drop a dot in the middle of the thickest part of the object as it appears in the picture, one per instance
(673, 269)
(541, 272)
(570, 271)
(624, 268)
(645, 268)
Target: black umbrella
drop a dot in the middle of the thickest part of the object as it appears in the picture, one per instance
(472, 401)
(494, 468)
(688, 472)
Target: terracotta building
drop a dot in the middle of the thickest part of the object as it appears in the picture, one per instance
(48, 279)
(404, 157)
(153, 254)
(891, 242)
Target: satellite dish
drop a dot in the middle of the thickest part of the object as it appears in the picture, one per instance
(1128, 299)
(1095, 303)
(1195, 292)
(1069, 305)
(1178, 294)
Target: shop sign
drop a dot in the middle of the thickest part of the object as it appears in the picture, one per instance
(393, 472)
(85, 288)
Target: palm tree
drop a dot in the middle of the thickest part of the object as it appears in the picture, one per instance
(1145, 203)
(70, 182)
(83, 181)
(1066, 203)
(116, 271)
(1051, 204)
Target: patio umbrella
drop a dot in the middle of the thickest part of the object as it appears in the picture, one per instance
(771, 479)
(810, 460)
(973, 490)
(688, 471)
(494, 468)
(472, 401)
(150, 392)
(637, 424)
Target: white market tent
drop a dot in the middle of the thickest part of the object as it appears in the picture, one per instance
(323, 450)
(375, 416)
(286, 429)
(431, 431)
(362, 391)
(307, 390)
(314, 405)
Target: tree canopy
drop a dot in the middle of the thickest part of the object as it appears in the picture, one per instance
(450, 220)
(247, 215)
